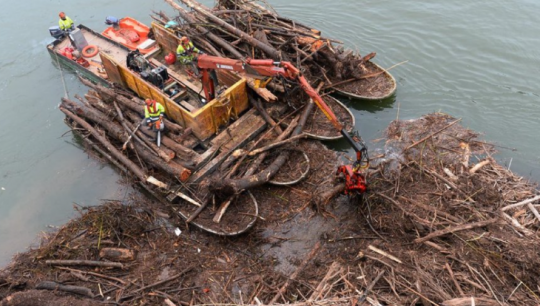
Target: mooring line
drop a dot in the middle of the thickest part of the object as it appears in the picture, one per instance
(66, 95)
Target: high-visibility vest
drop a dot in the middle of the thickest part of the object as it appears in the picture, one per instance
(153, 110)
(65, 24)
(185, 55)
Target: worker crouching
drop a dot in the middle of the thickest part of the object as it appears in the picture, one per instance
(154, 114)
(186, 53)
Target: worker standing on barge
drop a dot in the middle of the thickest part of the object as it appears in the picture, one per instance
(65, 23)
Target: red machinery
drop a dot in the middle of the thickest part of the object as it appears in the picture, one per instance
(355, 181)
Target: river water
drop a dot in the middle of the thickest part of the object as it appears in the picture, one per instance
(479, 61)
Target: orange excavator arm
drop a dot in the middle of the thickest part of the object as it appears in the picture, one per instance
(267, 68)
(271, 68)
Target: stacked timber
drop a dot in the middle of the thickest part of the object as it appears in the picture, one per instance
(245, 29)
(113, 118)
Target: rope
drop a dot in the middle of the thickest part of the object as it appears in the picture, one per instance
(66, 94)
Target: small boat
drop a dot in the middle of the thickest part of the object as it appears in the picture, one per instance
(63, 51)
(378, 84)
(132, 34)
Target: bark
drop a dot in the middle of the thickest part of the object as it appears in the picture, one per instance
(467, 301)
(118, 133)
(268, 49)
(117, 154)
(90, 263)
(181, 151)
(231, 186)
(164, 153)
(219, 41)
(257, 162)
(47, 285)
(137, 105)
(117, 254)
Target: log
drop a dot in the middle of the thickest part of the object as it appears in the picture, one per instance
(262, 92)
(468, 301)
(268, 49)
(479, 166)
(135, 104)
(117, 254)
(455, 229)
(335, 269)
(116, 279)
(183, 272)
(369, 288)
(216, 39)
(276, 144)
(164, 153)
(262, 111)
(138, 172)
(109, 95)
(181, 151)
(536, 198)
(91, 263)
(385, 254)
(253, 167)
(234, 186)
(117, 132)
(48, 285)
(223, 208)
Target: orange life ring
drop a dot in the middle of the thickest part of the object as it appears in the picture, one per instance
(90, 51)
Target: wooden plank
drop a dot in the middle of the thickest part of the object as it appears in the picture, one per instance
(235, 129)
(179, 77)
(247, 128)
(112, 70)
(187, 106)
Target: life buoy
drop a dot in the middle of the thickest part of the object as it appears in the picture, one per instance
(90, 51)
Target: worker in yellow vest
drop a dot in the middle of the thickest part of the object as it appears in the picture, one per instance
(185, 53)
(65, 23)
(153, 114)
(153, 111)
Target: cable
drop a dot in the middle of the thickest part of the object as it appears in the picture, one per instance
(66, 94)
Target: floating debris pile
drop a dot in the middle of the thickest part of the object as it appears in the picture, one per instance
(443, 224)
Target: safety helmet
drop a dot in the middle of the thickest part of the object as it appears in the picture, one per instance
(184, 40)
(149, 101)
(62, 15)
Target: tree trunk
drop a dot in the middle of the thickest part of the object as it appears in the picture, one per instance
(219, 41)
(118, 133)
(117, 154)
(231, 186)
(268, 49)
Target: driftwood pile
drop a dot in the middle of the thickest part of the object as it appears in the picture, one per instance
(443, 224)
(113, 119)
(455, 227)
(246, 29)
